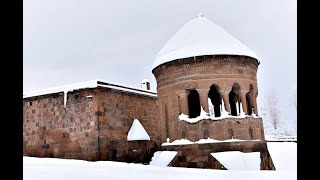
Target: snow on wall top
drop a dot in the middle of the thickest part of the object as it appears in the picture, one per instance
(88, 84)
(137, 132)
(198, 37)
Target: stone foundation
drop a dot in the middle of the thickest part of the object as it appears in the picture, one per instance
(198, 155)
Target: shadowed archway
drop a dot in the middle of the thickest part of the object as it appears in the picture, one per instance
(194, 104)
(215, 99)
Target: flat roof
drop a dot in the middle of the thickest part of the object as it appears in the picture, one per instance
(87, 85)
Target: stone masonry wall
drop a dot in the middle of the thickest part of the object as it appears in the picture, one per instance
(52, 130)
(198, 155)
(238, 128)
(94, 123)
(116, 111)
(176, 78)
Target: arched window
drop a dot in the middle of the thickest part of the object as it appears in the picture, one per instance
(215, 99)
(194, 104)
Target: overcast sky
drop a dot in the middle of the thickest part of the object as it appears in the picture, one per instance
(69, 41)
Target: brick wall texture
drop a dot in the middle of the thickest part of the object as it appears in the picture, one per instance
(198, 155)
(88, 127)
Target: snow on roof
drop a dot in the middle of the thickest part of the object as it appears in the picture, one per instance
(137, 132)
(198, 37)
(236, 160)
(89, 84)
(162, 158)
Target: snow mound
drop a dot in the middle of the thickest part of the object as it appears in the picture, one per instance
(162, 158)
(236, 160)
(199, 37)
(137, 132)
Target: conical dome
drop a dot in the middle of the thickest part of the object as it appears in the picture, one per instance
(198, 37)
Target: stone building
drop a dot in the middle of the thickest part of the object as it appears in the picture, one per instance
(87, 121)
(206, 92)
(202, 63)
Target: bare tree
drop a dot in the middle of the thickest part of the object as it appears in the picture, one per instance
(293, 99)
(273, 109)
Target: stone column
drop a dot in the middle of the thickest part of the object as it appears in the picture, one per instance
(225, 98)
(203, 93)
(183, 94)
(243, 99)
(224, 90)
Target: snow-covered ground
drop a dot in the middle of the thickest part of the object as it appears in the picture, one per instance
(55, 169)
(284, 155)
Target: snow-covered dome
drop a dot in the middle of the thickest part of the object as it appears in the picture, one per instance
(198, 37)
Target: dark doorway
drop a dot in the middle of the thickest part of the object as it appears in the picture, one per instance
(215, 100)
(112, 155)
(194, 104)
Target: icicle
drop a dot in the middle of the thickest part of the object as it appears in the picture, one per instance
(65, 98)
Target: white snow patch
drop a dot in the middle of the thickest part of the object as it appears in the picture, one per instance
(242, 114)
(198, 37)
(53, 169)
(202, 141)
(163, 158)
(236, 160)
(224, 113)
(283, 154)
(178, 142)
(129, 90)
(137, 132)
(205, 115)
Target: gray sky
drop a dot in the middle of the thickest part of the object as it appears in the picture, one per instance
(69, 41)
